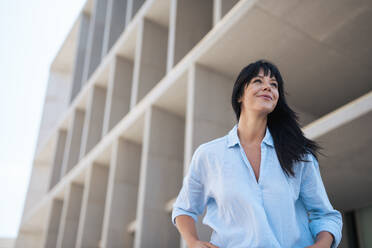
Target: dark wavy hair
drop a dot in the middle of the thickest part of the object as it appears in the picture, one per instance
(290, 144)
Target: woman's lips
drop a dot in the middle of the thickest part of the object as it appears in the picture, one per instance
(266, 97)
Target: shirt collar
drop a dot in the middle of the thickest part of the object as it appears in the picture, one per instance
(233, 137)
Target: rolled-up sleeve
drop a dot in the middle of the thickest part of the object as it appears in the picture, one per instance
(191, 199)
(322, 216)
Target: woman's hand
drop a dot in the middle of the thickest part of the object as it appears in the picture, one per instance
(317, 246)
(201, 244)
(323, 240)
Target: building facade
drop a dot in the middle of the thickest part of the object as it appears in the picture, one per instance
(138, 85)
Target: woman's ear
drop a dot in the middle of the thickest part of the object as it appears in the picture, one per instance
(240, 99)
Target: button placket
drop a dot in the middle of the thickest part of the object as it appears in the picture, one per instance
(262, 165)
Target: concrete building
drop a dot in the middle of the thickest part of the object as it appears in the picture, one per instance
(6, 242)
(138, 85)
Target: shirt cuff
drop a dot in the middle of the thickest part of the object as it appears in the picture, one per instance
(178, 211)
(332, 228)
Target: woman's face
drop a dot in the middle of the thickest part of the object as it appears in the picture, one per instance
(261, 94)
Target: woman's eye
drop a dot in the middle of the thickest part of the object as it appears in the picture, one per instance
(274, 84)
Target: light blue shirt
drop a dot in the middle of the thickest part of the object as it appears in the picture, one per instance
(278, 211)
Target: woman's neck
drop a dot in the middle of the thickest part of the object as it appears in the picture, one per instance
(251, 128)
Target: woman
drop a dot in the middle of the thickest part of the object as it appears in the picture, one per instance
(261, 182)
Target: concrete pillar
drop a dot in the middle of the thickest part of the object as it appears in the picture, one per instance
(150, 58)
(70, 216)
(55, 174)
(81, 51)
(93, 206)
(204, 122)
(54, 218)
(73, 142)
(95, 39)
(220, 8)
(93, 123)
(29, 239)
(115, 23)
(160, 175)
(189, 21)
(207, 118)
(348, 230)
(118, 92)
(132, 8)
(121, 201)
(38, 185)
(56, 102)
(364, 226)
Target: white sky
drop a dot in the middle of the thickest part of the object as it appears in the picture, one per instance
(32, 32)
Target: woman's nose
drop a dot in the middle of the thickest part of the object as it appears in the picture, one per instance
(266, 86)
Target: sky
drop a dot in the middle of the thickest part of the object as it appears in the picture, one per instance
(32, 31)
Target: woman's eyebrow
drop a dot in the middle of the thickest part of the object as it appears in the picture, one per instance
(272, 79)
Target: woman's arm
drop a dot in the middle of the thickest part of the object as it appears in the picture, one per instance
(191, 202)
(186, 226)
(323, 240)
(324, 221)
